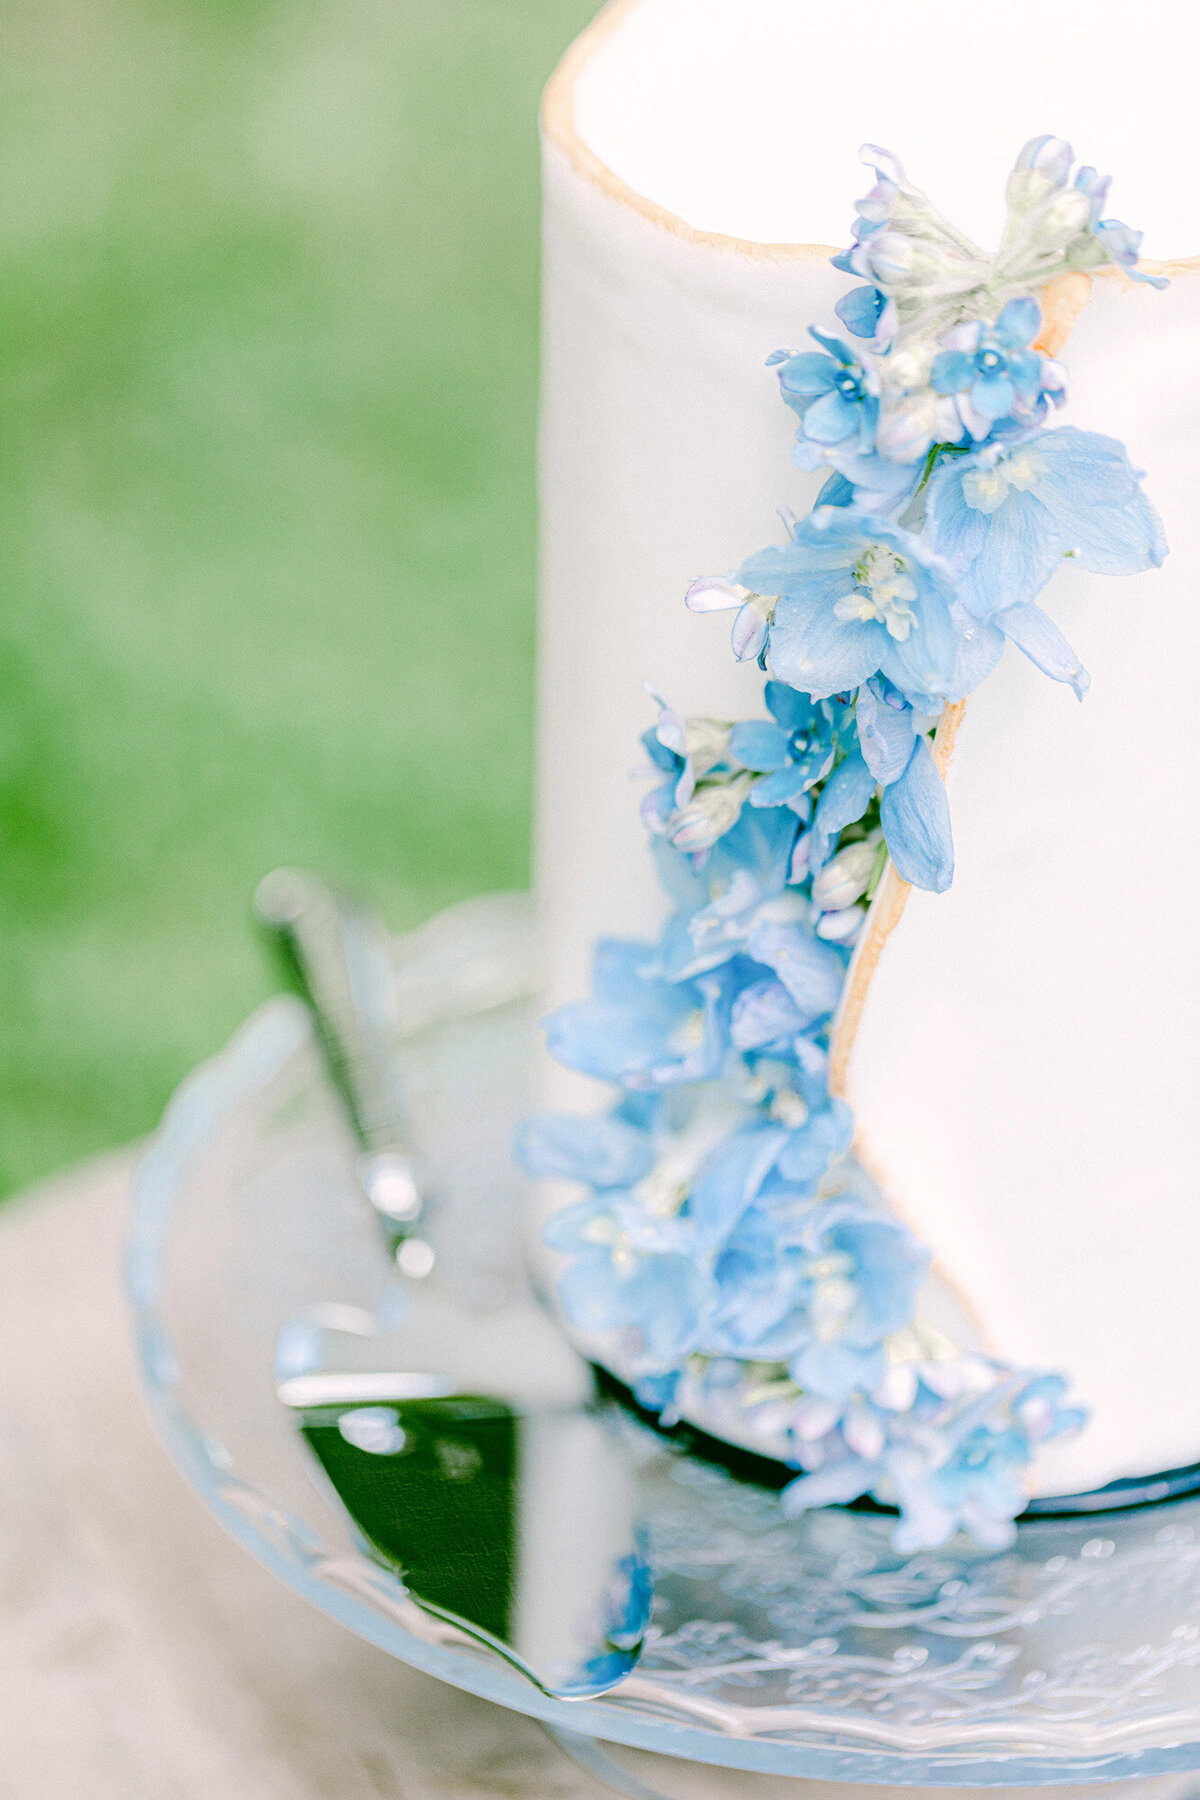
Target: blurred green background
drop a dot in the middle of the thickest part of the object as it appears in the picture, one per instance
(267, 396)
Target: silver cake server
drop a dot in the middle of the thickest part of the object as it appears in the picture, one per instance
(468, 1448)
(335, 954)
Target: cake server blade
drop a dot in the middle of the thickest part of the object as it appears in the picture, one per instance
(514, 1527)
(468, 1448)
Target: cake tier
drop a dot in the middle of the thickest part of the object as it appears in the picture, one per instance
(1020, 1056)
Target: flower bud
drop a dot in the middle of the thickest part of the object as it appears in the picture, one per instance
(905, 432)
(706, 742)
(813, 1417)
(749, 636)
(708, 815)
(907, 369)
(863, 1432)
(841, 927)
(898, 1389)
(714, 593)
(896, 261)
(845, 877)
(1043, 165)
(1062, 218)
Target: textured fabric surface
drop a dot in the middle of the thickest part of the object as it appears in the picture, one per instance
(267, 396)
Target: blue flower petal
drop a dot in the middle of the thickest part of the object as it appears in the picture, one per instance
(860, 310)
(915, 816)
(837, 491)
(728, 1179)
(618, 968)
(1025, 367)
(993, 396)
(957, 532)
(640, 1031)
(1096, 499)
(980, 647)
(814, 650)
(764, 1013)
(604, 1152)
(1018, 324)
(885, 733)
(811, 970)
(781, 787)
(952, 371)
(760, 745)
(1021, 549)
(811, 1148)
(1123, 244)
(569, 1229)
(844, 799)
(889, 1267)
(804, 375)
(835, 1370)
(832, 418)
(922, 664)
(659, 754)
(794, 711)
(836, 346)
(1044, 644)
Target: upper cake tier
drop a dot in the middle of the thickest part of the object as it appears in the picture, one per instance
(1019, 1051)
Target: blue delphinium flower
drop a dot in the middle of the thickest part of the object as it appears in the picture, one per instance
(795, 751)
(915, 815)
(858, 596)
(1005, 517)
(833, 390)
(703, 793)
(814, 1143)
(904, 248)
(914, 810)
(865, 1270)
(994, 373)
(721, 895)
(761, 1293)
(752, 614)
(866, 312)
(640, 1031)
(886, 728)
(949, 1442)
(969, 1471)
(629, 1271)
(1053, 213)
(601, 1150)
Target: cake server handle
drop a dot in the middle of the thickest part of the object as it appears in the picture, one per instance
(335, 954)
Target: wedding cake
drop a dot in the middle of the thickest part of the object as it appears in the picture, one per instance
(876, 1146)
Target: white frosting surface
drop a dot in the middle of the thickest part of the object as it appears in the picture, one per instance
(1026, 1068)
(745, 116)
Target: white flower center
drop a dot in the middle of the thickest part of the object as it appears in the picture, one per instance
(689, 1033)
(608, 1231)
(834, 1294)
(986, 489)
(884, 593)
(665, 1189)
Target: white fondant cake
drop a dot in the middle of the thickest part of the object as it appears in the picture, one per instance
(1020, 1051)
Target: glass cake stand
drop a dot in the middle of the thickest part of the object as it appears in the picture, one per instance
(803, 1648)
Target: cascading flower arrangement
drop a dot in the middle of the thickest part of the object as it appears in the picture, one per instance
(732, 1259)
